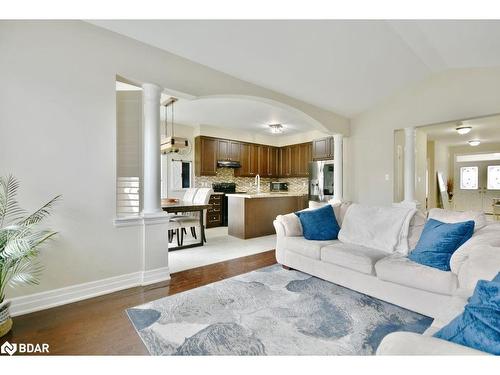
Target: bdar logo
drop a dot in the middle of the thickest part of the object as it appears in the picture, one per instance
(8, 348)
(23, 348)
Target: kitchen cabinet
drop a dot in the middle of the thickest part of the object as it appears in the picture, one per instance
(286, 161)
(205, 156)
(249, 160)
(228, 150)
(322, 149)
(267, 161)
(294, 160)
(214, 213)
(303, 157)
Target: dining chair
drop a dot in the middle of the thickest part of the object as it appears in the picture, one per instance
(186, 198)
(201, 197)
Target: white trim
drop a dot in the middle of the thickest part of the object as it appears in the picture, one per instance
(155, 276)
(128, 221)
(57, 297)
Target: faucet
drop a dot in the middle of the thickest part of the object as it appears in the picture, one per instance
(257, 182)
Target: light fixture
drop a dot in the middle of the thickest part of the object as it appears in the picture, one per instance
(463, 129)
(171, 144)
(276, 128)
(474, 142)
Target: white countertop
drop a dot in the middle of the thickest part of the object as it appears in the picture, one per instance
(267, 195)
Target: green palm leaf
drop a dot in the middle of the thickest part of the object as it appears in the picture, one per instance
(20, 237)
(9, 207)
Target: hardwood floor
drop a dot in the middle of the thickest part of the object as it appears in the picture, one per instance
(100, 326)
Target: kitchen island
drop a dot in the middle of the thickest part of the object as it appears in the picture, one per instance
(252, 215)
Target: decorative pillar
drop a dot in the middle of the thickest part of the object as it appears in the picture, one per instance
(155, 220)
(151, 149)
(338, 180)
(409, 168)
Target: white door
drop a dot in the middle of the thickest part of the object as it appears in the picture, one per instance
(468, 195)
(478, 183)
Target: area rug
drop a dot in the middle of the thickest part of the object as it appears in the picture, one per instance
(270, 311)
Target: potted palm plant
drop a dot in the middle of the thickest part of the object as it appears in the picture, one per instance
(20, 241)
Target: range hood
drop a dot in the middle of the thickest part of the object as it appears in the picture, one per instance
(228, 164)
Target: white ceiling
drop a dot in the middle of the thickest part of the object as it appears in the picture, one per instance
(486, 129)
(344, 66)
(237, 114)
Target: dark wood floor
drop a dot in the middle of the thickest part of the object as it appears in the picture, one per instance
(100, 326)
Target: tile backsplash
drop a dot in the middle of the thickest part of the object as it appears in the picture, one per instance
(247, 184)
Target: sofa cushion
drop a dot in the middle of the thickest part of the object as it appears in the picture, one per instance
(308, 248)
(478, 326)
(439, 241)
(451, 217)
(401, 270)
(357, 258)
(319, 224)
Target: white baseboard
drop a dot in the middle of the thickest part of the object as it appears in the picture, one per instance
(57, 297)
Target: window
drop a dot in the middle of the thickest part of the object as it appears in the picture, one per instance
(468, 178)
(494, 177)
(478, 157)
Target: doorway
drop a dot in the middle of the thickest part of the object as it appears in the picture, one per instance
(478, 177)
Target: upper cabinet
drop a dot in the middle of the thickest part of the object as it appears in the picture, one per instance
(322, 149)
(249, 160)
(205, 156)
(228, 150)
(267, 161)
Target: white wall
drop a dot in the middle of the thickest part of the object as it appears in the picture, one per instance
(58, 134)
(452, 95)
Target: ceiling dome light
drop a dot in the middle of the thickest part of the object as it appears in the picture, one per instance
(276, 128)
(474, 142)
(463, 129)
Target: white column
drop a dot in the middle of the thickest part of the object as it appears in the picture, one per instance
(409, 168)
(151, 149)
(338, 180)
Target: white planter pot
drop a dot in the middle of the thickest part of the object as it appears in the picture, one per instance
(5, 319)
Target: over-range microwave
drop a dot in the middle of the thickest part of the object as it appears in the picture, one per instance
(277, 186)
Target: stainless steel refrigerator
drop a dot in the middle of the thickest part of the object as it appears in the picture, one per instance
(321, 180)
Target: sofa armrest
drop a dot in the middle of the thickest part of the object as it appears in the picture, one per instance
(410, 343)
(279, 227)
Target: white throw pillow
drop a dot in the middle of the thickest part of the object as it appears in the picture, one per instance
(450, 217)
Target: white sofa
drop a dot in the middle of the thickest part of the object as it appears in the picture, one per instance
(394, 278)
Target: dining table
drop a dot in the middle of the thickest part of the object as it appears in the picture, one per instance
(177, 207)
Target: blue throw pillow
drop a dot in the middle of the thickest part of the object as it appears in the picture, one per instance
(319, 224)
(439, 241)
(478, 326)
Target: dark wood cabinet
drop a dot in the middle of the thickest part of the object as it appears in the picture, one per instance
(214, 213)
(286, 161)
(303, 157)
(228, 150)
(274, 162)
(249, 160)
(322, 148)
(205, 156)
(267, 161)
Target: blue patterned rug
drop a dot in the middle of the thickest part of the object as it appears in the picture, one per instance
(270, 311)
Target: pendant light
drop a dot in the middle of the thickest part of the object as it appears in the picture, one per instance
(171, 144)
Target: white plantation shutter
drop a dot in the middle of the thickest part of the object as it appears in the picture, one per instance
(129, 152)
(127, 196)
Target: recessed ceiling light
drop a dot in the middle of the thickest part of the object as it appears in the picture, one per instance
(474, 142)
(463, 129)
(276, 128)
